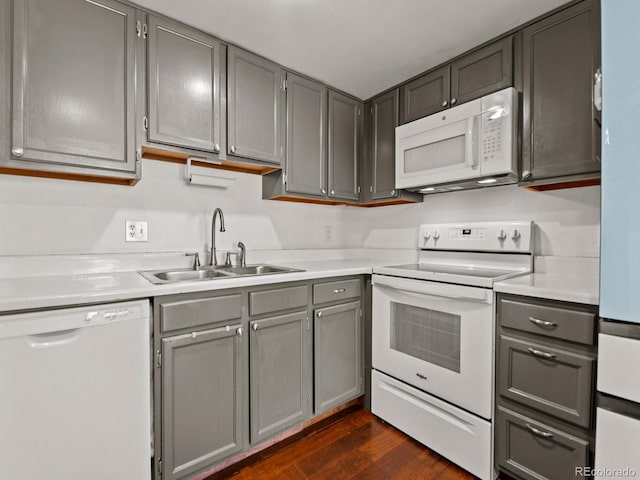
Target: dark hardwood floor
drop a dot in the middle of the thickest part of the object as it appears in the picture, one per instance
(358, 446)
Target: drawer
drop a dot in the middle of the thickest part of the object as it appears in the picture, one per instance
(200, 311)
(278, 299)
(332, 291)
(549, 379)
(551, 321)
(536, 451)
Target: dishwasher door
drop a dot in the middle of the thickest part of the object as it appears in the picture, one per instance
(75, 393)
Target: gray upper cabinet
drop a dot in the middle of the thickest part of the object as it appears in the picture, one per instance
(279, 369)
(202, 399)
(255, 107)
(380, 167)
(184, 69)
(561, 132)
(338, 357)
(345, 130)
(425, 95)
(482, 72)
(74, 74)
(306, 136)
(473, 75)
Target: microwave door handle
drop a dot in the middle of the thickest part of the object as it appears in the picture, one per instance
(471, 150)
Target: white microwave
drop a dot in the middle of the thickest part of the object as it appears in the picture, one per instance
(468, 146)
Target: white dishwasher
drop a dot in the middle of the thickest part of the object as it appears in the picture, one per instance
(75, 393)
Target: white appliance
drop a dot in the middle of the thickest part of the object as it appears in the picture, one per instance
(618, 412)
(75, 399)
(433, 336)
(469, 146)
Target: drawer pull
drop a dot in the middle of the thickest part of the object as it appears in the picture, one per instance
(542, 323)
(541, 354)
(339, 290)
(537, 432)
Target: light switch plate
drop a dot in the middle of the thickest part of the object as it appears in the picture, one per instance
(135, 231)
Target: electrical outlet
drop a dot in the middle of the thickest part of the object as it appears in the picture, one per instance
(136, 231)
(328, 233)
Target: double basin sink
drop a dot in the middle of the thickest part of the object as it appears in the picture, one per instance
(211, 273)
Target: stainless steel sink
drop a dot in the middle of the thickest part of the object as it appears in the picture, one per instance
(211, 273)
(258, 270)
(184, 275)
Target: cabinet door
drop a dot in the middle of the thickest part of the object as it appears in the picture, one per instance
(74, 66)
(306, 164)
(184, 86)
(484, 71)
(279, 370)
(560, 123)
(255, 106)
(345, 129)
(381, 161)
(425, 95)
(201, 400)
(337, 347)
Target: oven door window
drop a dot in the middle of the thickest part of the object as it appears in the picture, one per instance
(429, 335)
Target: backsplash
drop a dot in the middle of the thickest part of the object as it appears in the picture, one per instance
(43, 217)
(568, 220)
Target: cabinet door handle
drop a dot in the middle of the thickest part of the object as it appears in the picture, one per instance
(526, 174)
(542, 323)
(445, 103)
(541, 354)
(239, 331)
(233, 149)
(453, 101)
(254, 327)
(319, 314)
(216, 147)
(538, 432)
(17, 152)
(324, 191)
(597, 90)
(339, 290)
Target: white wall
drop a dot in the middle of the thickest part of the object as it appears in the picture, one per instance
(44, 216)
(568, 220)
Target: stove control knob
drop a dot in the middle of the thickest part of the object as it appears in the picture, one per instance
(426, 236)
(436, 235)
(502, 235)
(515, 235)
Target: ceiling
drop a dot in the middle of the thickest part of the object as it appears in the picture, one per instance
(359, 46)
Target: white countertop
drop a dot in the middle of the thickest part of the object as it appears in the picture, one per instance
(34, 292)
(568, 288)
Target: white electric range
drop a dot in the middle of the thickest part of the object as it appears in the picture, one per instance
(433, 336)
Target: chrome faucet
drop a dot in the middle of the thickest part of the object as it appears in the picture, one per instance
(242, 256)
(213, 260)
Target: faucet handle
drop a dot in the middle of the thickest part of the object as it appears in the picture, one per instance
(242, 254)
(227, 258)
(196, 259)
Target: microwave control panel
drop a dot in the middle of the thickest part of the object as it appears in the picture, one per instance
(493, 125)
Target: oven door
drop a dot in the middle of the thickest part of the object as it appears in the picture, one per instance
(437, 337)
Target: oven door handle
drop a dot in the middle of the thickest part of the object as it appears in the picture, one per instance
(459, 292)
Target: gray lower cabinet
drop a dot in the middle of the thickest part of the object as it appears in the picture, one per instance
(184, 83)
(338, 355)
(545, 387)
(278, 372)
(74, 87)
(202, 399)
(255, 106)
(561, 124)
(344, 146)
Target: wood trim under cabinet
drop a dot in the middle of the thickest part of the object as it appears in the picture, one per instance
(128, 182)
